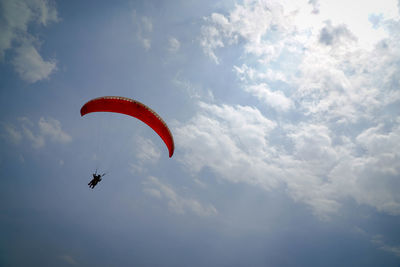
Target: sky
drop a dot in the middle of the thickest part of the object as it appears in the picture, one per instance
(285, 116)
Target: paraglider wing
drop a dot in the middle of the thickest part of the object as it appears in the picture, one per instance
(135, 109)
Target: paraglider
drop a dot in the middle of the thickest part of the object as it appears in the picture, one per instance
(95, 180)
(130, 107)
(127, 106)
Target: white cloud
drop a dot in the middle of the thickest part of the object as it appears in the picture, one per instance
(355, 14)
(315, 5)
(232, 141)
(330, 35)
(256, 83)
(194, 91)
(17, 16)
(47, 129)
(319, 166)
(275, 99)
(12, 134)
(30, 65)
(266, 27)
(338, 75)
(173, 45)
(176, 203)
(147, 24)
(348, 83)
(145, 152)
(373, 176)
(210, 41)
(249, 21)
(308, 163)
(378, 240)
(52, 128)
(144, 28)
(37, 141)
(249, 75)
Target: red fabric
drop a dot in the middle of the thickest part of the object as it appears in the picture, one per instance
(135, 109)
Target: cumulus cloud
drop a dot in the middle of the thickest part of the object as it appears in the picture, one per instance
(275, 99)
(249, 22)
(340, 138)
(232, 141)
(256, 83)
(373, 178)
(331, 35)
(268, 28)
(46, 129)
(319, 166)
(343, 88)
(355, 15)
(176, 203)
(348, 83)
(17, 16)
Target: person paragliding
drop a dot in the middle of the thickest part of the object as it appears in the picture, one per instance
(133, 108)
(96, 179)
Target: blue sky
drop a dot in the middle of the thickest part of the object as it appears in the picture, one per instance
(286, 122)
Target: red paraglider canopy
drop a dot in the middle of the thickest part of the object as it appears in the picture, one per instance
(132, 108)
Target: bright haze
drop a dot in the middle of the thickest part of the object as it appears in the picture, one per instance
(285, 117)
